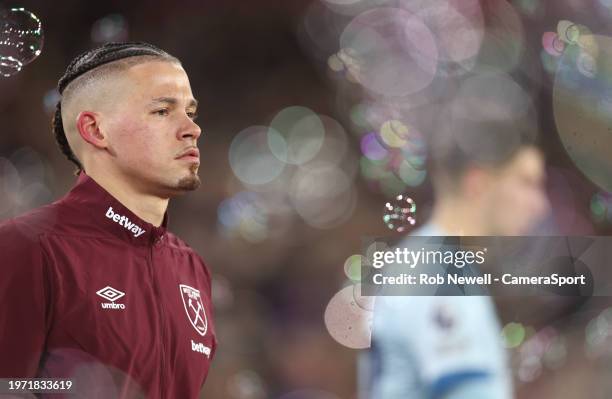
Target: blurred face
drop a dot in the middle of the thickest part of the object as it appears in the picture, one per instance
(151, 130)
(515, 200)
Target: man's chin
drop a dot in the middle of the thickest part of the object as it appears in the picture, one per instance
(189, 183)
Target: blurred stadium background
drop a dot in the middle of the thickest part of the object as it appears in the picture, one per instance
(315, 115)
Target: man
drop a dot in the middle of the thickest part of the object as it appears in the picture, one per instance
(94, 288)
(488, 180)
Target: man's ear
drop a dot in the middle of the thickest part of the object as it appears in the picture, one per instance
(476, 181)
(88, 126)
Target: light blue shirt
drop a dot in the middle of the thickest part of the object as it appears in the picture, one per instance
(426, 347)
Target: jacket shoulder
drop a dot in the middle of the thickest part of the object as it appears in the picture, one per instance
(176, 242)
(30, 225)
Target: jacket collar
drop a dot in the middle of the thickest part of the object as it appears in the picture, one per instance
(111, 216)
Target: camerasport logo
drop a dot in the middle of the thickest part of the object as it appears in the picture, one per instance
(111, 294)
(192, 301)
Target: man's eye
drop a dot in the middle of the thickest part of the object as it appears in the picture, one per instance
(192, 115)
(161, 112)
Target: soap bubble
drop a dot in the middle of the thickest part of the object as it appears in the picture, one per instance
(352, 267)
(553, 44)
(399, 214)
(582, 96)
(21, 40)
(568, 31)
(348, 323)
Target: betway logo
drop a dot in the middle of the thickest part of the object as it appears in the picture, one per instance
(199, 347)
(125, 222)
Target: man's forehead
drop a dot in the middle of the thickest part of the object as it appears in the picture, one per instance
(158, 79)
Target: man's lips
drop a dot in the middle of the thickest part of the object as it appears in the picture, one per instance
(190, 154)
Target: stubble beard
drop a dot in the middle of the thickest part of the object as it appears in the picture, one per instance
(191, 182)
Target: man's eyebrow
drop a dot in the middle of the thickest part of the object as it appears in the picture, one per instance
(173, 101)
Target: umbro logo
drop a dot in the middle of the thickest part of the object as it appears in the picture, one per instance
(111, 294)
(124, 221)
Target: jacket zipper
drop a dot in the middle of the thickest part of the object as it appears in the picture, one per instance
(161, 316)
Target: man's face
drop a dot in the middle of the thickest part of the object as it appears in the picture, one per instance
(151, 130)
(515, 200)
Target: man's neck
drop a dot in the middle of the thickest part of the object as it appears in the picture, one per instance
(458, 218)
(148, 207)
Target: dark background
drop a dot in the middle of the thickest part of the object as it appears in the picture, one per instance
(246, 61)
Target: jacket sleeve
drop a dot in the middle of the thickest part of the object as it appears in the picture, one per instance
(24, 302)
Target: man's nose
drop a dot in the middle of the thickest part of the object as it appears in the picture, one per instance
(190, 130)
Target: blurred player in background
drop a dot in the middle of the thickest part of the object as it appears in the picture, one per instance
(488, 180)
(94, 287)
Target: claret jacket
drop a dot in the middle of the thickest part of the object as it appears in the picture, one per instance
(92, 293)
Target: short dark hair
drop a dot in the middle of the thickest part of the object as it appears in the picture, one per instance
(458, 143)
(108, 55)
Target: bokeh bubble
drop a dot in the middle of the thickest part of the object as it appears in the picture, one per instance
(323, 195)
(111, 28)
(568, 31)
(335, 145)
(246, 384)
(352, 267)
(250, 157)
(244, 214)
(544, 348)
(222, 293)
(50, 101)
(556, 353)
(415, 150)
(21, 39)
(394, 133)
(348, 323)
(598, 336)
(391, 51)
(400, 213)
(296, 135)
(335, 63)
(552, 44)
(410, 175)
(457, 26)
(513, 335)
(530, 369)
(372, 148)
(601, 207)
(581, 91)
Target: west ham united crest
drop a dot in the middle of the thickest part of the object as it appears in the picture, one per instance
(194, 308)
